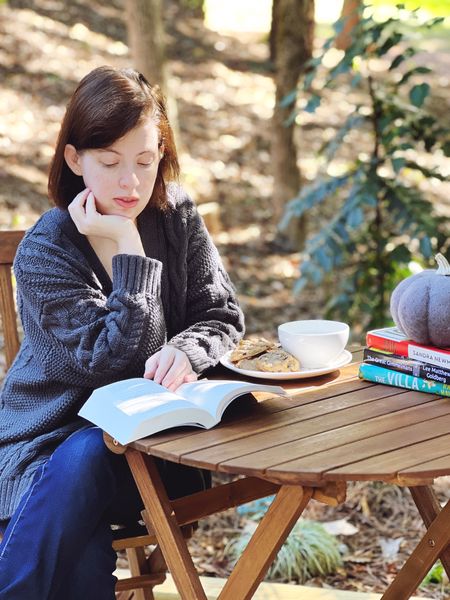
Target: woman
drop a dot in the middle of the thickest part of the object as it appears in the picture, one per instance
(119, 280)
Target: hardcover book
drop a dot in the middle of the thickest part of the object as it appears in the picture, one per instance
(135, 408)
(393, 340)
(395, 362)
(402, 380)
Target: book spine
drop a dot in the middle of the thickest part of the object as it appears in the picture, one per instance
(402, 380)
(405, 365)
(388, 344)
(426, 354)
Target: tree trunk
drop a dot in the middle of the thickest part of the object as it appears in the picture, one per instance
(147, 44)
(350, 12)
(291, 46)
(146, 39)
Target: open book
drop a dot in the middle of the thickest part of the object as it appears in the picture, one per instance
(135, 408)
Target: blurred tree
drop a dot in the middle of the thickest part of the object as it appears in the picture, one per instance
(291, 41)
(146, 40)
(349, 16)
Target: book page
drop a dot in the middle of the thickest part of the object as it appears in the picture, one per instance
(215, 395)
(149, 402)
(390, 333)
(135, 396)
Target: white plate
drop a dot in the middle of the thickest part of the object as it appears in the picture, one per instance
(342, 360)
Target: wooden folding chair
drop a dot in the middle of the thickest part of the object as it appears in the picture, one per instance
(146, 571)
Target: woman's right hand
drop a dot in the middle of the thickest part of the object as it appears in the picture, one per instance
(169, 367)
(90, 222)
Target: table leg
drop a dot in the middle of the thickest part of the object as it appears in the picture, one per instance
(268, 538)
(169, 535)
(422, 559)
(429, 508)
(283, 513)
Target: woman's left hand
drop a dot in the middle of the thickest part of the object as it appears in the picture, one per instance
(170, 367)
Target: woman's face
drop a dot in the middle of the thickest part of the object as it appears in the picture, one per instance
(123, 175)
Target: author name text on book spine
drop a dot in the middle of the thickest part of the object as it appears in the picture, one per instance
(435, 358)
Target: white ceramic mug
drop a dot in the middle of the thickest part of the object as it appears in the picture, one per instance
(315, 343)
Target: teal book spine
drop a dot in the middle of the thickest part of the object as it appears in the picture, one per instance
(402, 380)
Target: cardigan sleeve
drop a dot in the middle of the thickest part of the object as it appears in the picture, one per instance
(79, 334)
(214, 320)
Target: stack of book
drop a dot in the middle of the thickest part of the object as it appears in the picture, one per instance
(392, 359)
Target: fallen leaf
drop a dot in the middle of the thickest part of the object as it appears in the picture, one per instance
(340, 527)
(390, 547)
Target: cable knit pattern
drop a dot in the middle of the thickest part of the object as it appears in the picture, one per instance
(82, 330)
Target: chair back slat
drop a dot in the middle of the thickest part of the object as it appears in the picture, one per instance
(9, 240)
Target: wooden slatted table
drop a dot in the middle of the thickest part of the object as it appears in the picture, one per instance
(330, 430)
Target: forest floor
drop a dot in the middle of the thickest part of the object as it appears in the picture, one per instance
(224, 92)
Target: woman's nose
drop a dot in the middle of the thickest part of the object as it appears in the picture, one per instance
(128, 180)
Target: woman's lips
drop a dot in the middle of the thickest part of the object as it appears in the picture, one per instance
(126, 202)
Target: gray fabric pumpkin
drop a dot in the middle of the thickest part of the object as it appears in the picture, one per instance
(420, 305)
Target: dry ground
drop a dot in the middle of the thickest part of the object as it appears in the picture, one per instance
(224, 91)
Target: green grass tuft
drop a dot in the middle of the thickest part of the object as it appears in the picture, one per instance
(309, 551)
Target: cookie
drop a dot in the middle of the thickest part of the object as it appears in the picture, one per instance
(277, 361)
(249, 364)
(250, 348)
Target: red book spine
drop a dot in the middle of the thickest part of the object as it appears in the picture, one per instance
(394, 346)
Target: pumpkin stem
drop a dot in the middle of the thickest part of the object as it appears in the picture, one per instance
(443, 266)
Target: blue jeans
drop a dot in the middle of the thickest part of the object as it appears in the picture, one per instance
(57, 545)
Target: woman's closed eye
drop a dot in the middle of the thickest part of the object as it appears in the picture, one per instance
(140, 164)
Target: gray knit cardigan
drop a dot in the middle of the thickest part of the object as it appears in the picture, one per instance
(82, 330)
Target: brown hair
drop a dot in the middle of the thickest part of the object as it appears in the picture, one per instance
(107, 104)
